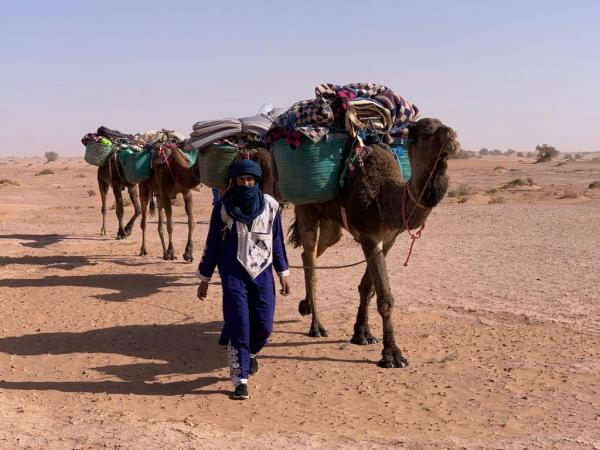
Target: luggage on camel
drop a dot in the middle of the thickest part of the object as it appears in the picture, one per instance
(101, 144)
(221, 142)
(325, 138)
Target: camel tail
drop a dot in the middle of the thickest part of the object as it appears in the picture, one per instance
(294, 237)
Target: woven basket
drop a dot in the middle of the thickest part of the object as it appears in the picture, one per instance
(311, 173)
(97, 154)
(214, 162)
(137, 165)
(400, 149)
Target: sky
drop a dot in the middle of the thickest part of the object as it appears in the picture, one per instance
(509, 74)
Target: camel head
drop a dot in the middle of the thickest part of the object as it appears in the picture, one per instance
(431, 143)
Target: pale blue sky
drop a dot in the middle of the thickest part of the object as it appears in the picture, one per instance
(509, 74)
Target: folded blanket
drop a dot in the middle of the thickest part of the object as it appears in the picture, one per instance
(210, 131)
(366, 113)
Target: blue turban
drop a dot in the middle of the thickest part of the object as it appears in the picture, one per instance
(245, 167)
(244, 203)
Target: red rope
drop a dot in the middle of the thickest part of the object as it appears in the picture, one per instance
(413, 236)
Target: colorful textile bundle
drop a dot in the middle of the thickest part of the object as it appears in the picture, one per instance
(356, 108)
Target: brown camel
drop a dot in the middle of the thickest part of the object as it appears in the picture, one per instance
(112, 175)
(178, 176)
(371, 208)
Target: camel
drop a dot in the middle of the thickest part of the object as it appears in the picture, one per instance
(179, 177)
(375, 207)
(112, 175)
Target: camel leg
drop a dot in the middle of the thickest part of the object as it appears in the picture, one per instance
(144, 198)
(168, 207)
(391, 354)
(120, 211)
(103, 187)
(362, 333)
(308, 224)
(161, 220)
(135, 201)
(188, 255)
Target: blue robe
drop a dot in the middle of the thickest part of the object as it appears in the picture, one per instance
(248, 302)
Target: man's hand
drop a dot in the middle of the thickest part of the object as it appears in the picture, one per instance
(285, 285)
(202, 290)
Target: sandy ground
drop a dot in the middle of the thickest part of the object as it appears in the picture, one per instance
(498, 314)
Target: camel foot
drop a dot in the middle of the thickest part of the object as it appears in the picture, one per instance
(128, 231)
(188, 255)
(102, 232)
(392, 358)
(169, 255)
(317, 331)
(121, 235)
(143, 252)
(304, 307)
(363, 337)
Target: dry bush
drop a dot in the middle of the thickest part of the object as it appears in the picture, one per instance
(518, 182)
(569, 193)
(7, 182)
(91, 192)
(463, 190)
(45, 172)
(545, 153)
(578, 156)
(496, 200)
(491, 191)
(520, 155)
(594, 185)
(51, 156)
(126, 203)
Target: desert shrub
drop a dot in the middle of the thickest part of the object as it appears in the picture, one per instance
(594, 185)
(91, 192)
(463, 190)
(568, 157)
(497, 152)
(51, 156)
(7, 182)
(126, 203)
(578, 156)
(529, 155)
(520, 155)
(545, 153)
(510, 152)
(518, 182)
(491, 191)
(569, 193)
(496, 200)
(499, 168)
(45, 172)
(484, 152)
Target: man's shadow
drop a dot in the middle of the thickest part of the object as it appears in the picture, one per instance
(185, 349)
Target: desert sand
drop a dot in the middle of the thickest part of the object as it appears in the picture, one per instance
(498, 313)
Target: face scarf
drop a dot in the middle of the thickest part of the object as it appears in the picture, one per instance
(244, 203)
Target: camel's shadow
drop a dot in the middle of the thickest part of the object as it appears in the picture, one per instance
(185, 349)
(128, 286)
